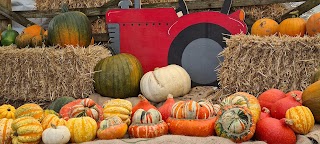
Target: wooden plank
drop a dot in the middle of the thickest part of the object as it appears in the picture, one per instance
(306, 6)
(16, 17)
(199, 4)
(4, 22)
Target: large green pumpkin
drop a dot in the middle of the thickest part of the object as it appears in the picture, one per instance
(70, 28)
(60, 102)
(118, 76)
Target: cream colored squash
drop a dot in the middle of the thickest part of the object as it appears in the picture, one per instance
(172, 79)
(56, 135)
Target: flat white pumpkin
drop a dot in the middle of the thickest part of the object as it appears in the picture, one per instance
(56, 135)
(172, 79)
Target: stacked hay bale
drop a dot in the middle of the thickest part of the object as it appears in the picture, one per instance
(44, 74)
(254, 64)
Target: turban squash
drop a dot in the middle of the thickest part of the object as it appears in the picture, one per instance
(112, 128)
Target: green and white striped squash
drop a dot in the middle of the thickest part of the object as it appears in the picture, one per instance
(118, 76)
(246, 100)
(235, 123)
(152, 116)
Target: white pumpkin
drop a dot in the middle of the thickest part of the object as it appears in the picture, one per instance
(172, 79)
(56, 135)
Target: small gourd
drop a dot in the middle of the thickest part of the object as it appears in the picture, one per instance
(7, 111)
(87, 107)
(301, 118)
(23, 40)
(118, 107)
(26, 130)
(5, 130)
(112, 128)
(30, 109)
(56, 135)
(82, 129)
(52, 119)
(165, 108)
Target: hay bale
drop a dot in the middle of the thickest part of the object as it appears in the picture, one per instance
(254, 64)
(273, 11)
(43, 74)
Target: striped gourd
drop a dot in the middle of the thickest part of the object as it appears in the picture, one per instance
(5, 130)
(151, 116)
(26, 130)
(185, 110)
(244, 99)
(112, 128)
(118, 76)
(301, 118)
(82, 129)
(235, 123)
(118, 107)
(52, 119)
(87, 107)
(30, 109)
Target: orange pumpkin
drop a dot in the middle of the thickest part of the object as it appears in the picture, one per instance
(33, 30)
(23, 40)
(294, 26)
(189, 127)
(313, 24)
(264, 27)
(112, 128)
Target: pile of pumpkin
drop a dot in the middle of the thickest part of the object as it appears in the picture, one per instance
(294, 26)
(274, 117)
(66, 28)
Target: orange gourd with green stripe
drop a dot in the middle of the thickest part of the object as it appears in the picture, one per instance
(87, 107)
(70, 28)
(82, 129)
(52, 119)
(301, 118)
(26, 130)
(30, 109)
(5, 130)
(112, 128)
(235, 123)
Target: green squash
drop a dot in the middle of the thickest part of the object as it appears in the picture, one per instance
(235, 123)
(8, 36)
(60, 102)
(118, 76)
(70, 28)
(316, 76)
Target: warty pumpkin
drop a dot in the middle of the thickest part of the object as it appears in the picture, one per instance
(244, 99)
(112, 128)
(23, 40)
(172, 79)
(5, 130)
(82, 129)
(311, 99)
(301, 118)
(56, 135)
(147, 124)
(235, 123)
(26, 130)
(264, 27)
(52, 119)
(30, 109)
(7, 111)
(118, 107)
(313, 24)
(118, 76)
(70, 28)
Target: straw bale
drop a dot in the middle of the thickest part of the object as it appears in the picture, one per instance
(254, 64)
(43, 74)
(273, 11)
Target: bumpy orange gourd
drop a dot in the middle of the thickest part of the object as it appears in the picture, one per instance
(5, 130)
(52, 119)
(23, 40)
(311, 99)
(244, 99)
(87, 107)
(313, 24)
(118, 107)
(82, 129)
(185, 110)
(294, 26)
(30, 109)
(264, 27)
(301, 118)
(33, 30)
(112, 128)
(26, 130)
(7, 111)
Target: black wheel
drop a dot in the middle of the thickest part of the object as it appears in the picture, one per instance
(196, 49)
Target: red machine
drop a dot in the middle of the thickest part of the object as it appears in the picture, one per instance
(158, 37)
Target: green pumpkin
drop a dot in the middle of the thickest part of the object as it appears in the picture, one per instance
(60, 102)
(8, 36)
(70, 28)
(316, 76)
(235, 123)
(118, 76)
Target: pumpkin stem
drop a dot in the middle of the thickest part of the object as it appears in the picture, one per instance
(64, 8)
(9, 27)
(295, 96)
(169, 96)
(294, 14)
(141, 97)
(266, 110)
(288, 121)
(53, 126)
